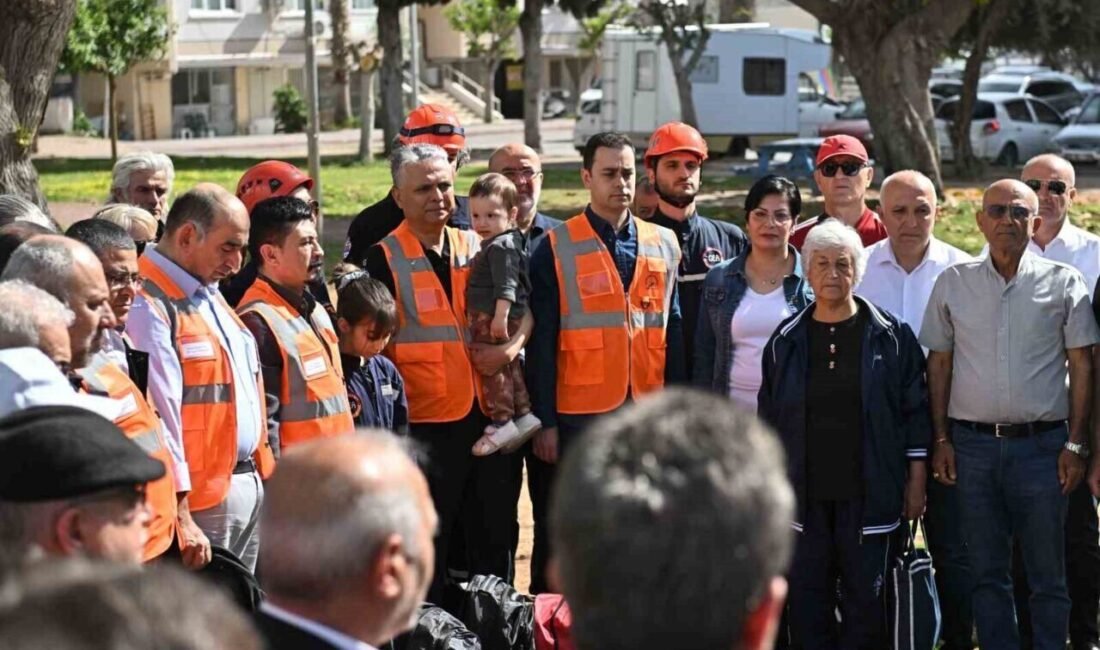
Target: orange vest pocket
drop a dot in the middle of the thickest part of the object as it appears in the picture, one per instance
(422, 367)
(581, 357)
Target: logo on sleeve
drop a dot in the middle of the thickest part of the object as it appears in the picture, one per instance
(712, 257)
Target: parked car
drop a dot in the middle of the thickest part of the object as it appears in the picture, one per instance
(1080, 141)
(851, 121)
(945, 88)
(1005, 128)
(1057, 89)
(815, 107)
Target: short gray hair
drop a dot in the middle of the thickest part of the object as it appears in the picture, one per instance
(26, 309)
(832, 235)
(313, 557)
(135, 162)
(660, 511)
(45, 263)
(15, 208)
(412, 154)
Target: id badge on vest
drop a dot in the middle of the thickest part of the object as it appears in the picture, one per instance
(314, 365)
(193, 348)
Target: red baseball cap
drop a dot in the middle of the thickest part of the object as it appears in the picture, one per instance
(841, 145)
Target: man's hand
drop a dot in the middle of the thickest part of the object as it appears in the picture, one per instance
(914, 497)
(1071, 469)
(488, 359)
(546, 445)
(194, 546)
(943, 463)
(1094, 476)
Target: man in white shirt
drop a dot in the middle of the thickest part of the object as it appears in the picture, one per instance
(901, 271)
(1052, 178)
(347, 563)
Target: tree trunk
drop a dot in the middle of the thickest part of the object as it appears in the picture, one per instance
(530, 26)
(366, 114)
(32, 35)
(341, 73)
(990, 18)
(393, 61)
(112, 88)
(736, 11)
(487, 93)
(683, 88)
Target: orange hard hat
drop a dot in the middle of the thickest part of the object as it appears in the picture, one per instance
(270, 178)
(433, 124)
(675, 136)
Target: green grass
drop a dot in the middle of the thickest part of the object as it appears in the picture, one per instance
(350, 186)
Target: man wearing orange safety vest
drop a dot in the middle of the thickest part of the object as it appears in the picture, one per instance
(605, 304)
(298, 346)
(204, 372)
(119, 372)
(425, 265)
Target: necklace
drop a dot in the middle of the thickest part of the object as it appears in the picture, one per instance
(772, 281)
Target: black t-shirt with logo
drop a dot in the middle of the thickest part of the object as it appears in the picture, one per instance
(704, 244)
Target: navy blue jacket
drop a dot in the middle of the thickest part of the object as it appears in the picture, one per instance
(723, 289)
(376, 392)
(896, 423)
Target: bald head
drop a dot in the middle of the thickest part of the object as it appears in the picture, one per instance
(358, 542)
(1008, 189)
(71, 272)
(908, 180)
(907, 205)
(206, 233)
(1008, 218)
(522, 166)
(203, 206)
(1053, 180)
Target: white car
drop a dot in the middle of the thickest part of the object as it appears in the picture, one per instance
(1057, 89)
(1080, 141)
(1006, 128)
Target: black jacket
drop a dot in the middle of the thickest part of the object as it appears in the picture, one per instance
(279, 635)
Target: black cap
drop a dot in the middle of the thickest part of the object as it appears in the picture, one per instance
(60, 452)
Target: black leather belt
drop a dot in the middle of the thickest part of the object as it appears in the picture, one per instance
(1022, 430)
(245, 467)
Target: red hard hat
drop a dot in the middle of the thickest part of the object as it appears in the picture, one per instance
(433, 124)
(270, 178)
(676, 136)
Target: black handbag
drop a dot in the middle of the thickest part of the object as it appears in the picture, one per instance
(913, 605)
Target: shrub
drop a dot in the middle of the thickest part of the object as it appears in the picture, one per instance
(290, 110)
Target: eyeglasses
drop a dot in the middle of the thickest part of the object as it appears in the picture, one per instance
(516, 175)
(830, 169)
(118, 281)
(1054, 187)
(1017, 212)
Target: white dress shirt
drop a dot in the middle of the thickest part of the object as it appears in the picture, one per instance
(1076, 247)
(905, 295)
(334, 637)
(152, 335)
(114, 348)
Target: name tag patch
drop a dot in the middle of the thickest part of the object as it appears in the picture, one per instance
(314, 366)
(197, 348)
(128, 406)
(388, 391)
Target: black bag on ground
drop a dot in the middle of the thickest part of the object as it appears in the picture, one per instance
(913, 605)
(435, 630)
(492, 609)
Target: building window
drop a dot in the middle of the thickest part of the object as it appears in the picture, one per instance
(214, 5)
(764, 76)
(645, 71)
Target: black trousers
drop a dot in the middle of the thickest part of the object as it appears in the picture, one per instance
(1082, 573)
(468, 490)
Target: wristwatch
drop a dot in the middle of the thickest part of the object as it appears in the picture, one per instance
(1079, 448)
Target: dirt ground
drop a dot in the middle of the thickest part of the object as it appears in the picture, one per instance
(526, 540)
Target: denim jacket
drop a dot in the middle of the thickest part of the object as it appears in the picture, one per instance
(723, 289)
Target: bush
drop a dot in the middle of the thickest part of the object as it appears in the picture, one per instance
(83, 126)
(290, 110)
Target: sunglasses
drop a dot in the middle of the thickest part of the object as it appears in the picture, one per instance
(1054, 187)
(1017, 212)
(434, 129)
(830, 169)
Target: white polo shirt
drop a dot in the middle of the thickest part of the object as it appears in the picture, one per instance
(905, 295)
(1076, 247)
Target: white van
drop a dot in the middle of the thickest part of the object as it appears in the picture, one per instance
(746, 87)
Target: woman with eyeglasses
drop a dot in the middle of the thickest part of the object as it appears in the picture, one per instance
(746, 297)
(138, 222)
(843, 172)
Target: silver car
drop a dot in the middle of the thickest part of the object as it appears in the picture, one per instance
(1080, 141)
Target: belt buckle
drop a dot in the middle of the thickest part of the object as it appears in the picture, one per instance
(997, 430)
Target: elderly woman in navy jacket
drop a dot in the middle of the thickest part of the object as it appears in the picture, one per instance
(843, 384)
(746, 297)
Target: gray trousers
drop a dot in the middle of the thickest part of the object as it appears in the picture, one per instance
(235, 522)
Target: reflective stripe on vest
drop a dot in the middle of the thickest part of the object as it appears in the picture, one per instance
(141, 425)
(313, 401)
(208, 412)
(429, 348)
(611, 339)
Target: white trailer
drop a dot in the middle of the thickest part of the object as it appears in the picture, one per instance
(746, 88)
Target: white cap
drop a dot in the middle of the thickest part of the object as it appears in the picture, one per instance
(29, 378)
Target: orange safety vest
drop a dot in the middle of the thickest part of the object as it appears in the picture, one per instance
(429, 348)
(313, 401)
(208, 412)
(610, 340)
(140, 423)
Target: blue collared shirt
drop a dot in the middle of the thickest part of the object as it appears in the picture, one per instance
(542, 350)
(152, 335)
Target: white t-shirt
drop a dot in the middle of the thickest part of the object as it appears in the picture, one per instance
(753, 323)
